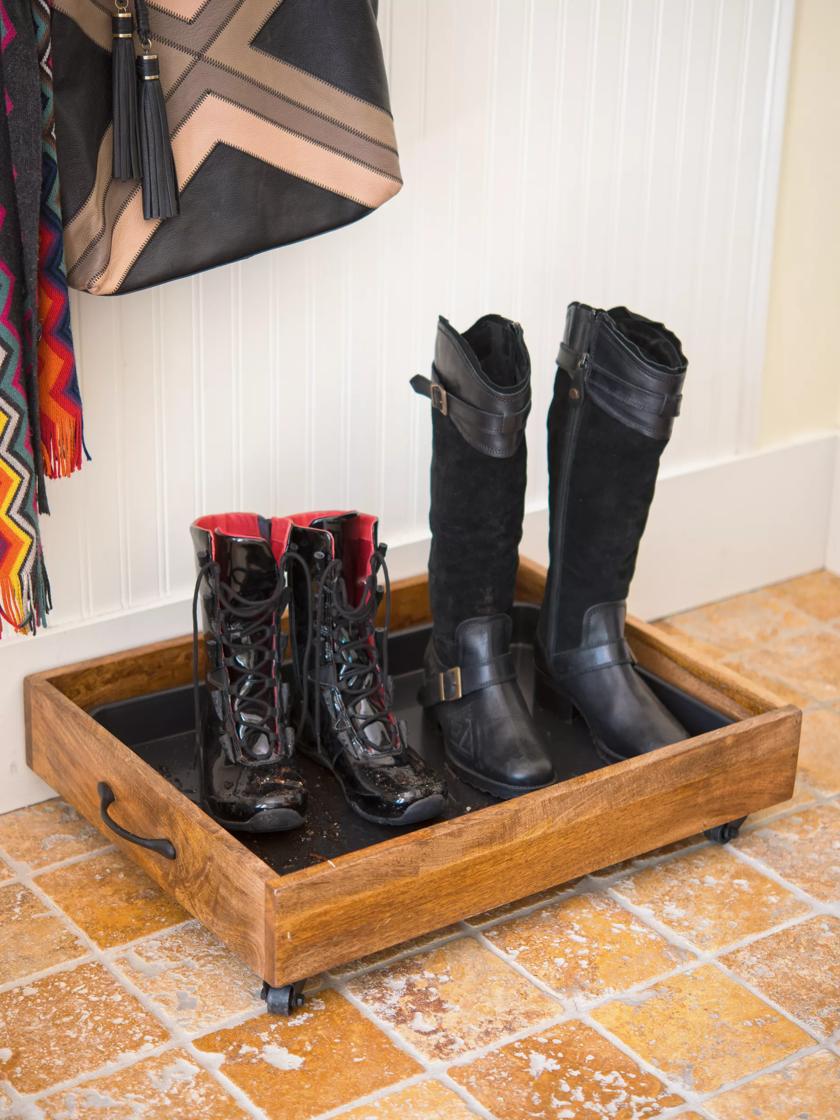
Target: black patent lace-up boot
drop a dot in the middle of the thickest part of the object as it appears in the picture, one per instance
(481, 395)
(616, 395)
(244, 735)
(350, 726)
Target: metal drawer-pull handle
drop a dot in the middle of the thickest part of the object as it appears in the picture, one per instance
(107, 797)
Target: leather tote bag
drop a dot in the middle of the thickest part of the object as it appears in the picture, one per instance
(274, 115)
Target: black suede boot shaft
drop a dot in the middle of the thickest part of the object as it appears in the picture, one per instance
(608, 424)
(481, 395)
(617, 391)
(477, 493)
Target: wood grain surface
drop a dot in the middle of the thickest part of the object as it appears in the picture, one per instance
(379, 896)
(214, 876)
(292, 926)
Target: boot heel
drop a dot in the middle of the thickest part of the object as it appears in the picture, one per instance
(549, 697)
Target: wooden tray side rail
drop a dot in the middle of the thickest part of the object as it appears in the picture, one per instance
(292, 926)
(380, 896)
(213, 876)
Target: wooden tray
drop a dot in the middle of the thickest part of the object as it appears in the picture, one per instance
(289, 924)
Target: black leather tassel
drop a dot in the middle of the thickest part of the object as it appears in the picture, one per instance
(124, 80)
(157, 164)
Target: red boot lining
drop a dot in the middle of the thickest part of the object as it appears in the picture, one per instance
(247, 526)
(359, 540)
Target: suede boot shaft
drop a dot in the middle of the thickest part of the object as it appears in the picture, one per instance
(480, 391)
(478, 474)
(616, 393)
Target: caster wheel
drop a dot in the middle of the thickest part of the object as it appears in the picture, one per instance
(283, 1000)
(725, 832)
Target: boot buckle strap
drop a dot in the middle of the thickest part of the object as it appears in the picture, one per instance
(449, 685)
(465, 415)
(452, 684)
(437, 395)
(574, 663)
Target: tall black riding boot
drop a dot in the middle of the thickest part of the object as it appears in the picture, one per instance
(244, 737)
(481, 395)
(617, 392)
(350, 727)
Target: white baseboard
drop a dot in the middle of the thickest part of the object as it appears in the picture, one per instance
(715, 531)
(832, 553)
(60, 646)
(730, 527)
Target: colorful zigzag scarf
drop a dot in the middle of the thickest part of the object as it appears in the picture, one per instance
(40, 407)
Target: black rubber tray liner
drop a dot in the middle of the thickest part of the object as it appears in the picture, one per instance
(159, 728)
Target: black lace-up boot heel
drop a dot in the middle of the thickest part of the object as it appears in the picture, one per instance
(617, 392)
(244, 737)
(350, 726)
(481, 395)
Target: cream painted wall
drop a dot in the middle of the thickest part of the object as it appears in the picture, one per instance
(611, 151)
(802, 366)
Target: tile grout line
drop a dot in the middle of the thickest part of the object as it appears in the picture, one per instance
(567, 1016)
(476, 932)
(177, 1035)
(697, 958)
(572, 1009)
(689, 1096)
(711, 958)
(372, 1097)
(127, 946)
(583, 1014)
(757, 864)
(85, 957)
(697, 1098)
(608, 887)
(584, 886)
(775, 1067)
(59, 865)
(753, 989)
(444, 1068)
(668, 932)
(424, 1078)
(596, 885)
(436, 1069)
(675, 939)
(43, 974)
(434, 943)
(108, 1069)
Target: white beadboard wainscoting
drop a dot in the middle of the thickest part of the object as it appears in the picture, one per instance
(613, 151)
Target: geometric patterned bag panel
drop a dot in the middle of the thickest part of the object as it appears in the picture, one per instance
(280, 124)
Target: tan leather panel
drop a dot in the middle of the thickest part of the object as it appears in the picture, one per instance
(217, 121)
(199, 32)
(233, 48)
(84, 232)
(86, 225)
(207, 78)
(174, 63)
(183, 9)
(220, 89)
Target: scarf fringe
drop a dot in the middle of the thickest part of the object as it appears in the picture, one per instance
(24, 604)
(63, 450)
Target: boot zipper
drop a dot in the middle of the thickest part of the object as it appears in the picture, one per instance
(575, 401)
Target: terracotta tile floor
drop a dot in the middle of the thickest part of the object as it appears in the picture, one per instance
(695, 982)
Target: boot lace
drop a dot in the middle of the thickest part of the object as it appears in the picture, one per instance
(251, 644)
(362, 671)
